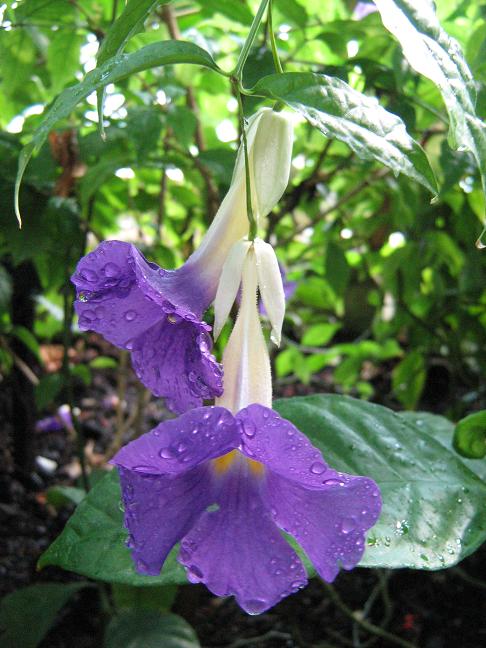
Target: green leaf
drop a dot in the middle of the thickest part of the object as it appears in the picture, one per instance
(93, 542)
(408, 379)
(112, 71)
(149, 629)
(153, 598)
(27, 614)
(336, 269)
(337, 110)
(60, 496)
(470, 436)
(320, 334)
(5, 289)
(125, 26)
(433, 53)
(47, 389)
(433, 506)
(63, 57)
(28, 339)
(443, 431)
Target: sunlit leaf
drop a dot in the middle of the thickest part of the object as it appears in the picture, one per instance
(112, 71)
(337, 110)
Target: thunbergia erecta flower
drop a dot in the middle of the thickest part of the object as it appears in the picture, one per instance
(157, 314)
(224, 481)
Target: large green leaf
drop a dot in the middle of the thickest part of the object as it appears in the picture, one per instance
(27, 614)
(93, 542)
(149, 629)
(443, 431)
(337, 110)
(433, 505)
(125, 26)
(433, 53)
(112, 71)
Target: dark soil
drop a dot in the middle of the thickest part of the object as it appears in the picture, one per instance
(428, 609)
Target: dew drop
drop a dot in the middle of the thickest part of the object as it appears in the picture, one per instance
(166, 453)
(249, 429)
(130, 315)
(88, 275)
(348, 525)
(144, 469)
(111, 270)
(254, 606)
(317, 468)
(332, 482)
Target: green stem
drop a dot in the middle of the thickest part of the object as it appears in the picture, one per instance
(273, 44)
(249, 40)
(249, 208)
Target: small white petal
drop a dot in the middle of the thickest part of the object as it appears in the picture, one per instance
(246, 364)
(271, 287)
(229, 284)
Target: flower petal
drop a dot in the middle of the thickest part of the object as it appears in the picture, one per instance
(177, 445)
(279, 445)
(229, 284)
(271, 287)
(237, 549)
(173, 359)
(329, 524)
(159, 511)
(110, 301)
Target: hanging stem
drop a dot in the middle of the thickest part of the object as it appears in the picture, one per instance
(273, 44)
(249, 208)
(249, 40)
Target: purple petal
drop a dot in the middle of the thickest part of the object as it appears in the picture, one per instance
(279, 445)
(329, 524)
(160, 510)
(326, 511)
(155, 314)
(237, 549)
(110, 301)
(176, 446)
(363, 9)
(173, 360)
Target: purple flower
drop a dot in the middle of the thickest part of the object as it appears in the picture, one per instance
(363, 9)
(156, 315)
(224, 485)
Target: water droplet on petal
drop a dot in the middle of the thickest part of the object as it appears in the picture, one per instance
(249, 429)
(166, 453)
(254, 606)
(194, 574)
(317, 468)
(130, 315)
(145, 469)
(332, 482)
(348, 525)
(111, 270)
(88, 275)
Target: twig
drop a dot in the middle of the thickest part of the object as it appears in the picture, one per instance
(366, 625)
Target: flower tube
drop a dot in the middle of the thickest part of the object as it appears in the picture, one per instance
(157, 314)
(224, 481)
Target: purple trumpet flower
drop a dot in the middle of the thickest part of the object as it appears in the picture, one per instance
(224, 486)
(154, 313)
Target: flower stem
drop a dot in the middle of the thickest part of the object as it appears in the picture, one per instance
(273, 44)
(249, 208)
(249, 40)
